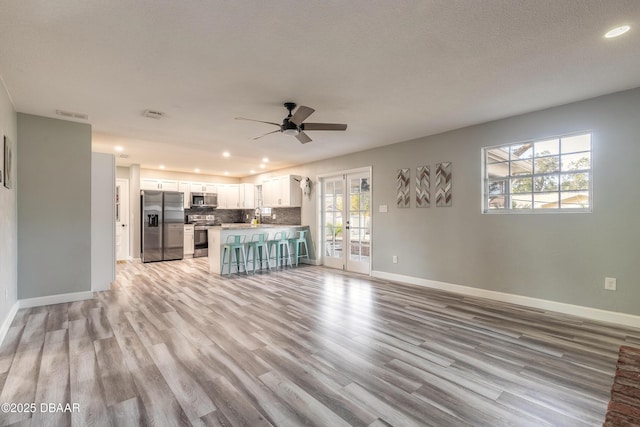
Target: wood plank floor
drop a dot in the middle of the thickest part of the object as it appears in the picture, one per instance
(172, 345)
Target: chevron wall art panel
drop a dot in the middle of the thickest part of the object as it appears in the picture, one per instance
(403, 180)
(443, 184)
(423, 182)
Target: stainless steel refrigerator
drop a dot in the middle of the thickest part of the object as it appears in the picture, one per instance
(162, 225)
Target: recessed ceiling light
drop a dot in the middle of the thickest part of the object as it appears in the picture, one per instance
(161, 166)
(252, 171)
(226, 154)
(617, 32)
(197, 170)
(265, 160)
(119, 148)
(262, 165)
(226, 172)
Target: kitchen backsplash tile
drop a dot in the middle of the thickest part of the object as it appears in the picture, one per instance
(289, 216)
(292, 216)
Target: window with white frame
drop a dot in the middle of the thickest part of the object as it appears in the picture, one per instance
(551, 174)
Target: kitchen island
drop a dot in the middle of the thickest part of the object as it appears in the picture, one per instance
(218, 237)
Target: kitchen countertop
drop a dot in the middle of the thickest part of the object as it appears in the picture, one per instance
(233, 226)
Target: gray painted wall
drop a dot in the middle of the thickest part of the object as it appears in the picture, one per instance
(8, 211)
(54, 207)
(562, 257)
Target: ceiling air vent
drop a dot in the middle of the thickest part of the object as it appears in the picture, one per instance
(72, 115)
(123, 156)
(153, 114)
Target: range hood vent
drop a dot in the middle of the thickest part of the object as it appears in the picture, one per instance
(72, 115)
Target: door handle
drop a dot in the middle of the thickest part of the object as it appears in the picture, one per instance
(124, 225)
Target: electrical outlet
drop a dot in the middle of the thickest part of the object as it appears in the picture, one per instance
(395, 259)
(610, 283)
(273, 216)
(247, 216)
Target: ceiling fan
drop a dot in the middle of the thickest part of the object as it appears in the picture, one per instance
(293, 123)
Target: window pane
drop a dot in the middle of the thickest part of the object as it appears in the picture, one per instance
(521, 167)
(547, 164)
(575, 181)
(497, 187)
(574, 162)
(498, 169)
(545, 200)
(522, 185)
(498, 154)
(545, 183)
(548, 147)
(571, 144)
(574, 199)
(497, 202)
(521, 151)
(521, 201)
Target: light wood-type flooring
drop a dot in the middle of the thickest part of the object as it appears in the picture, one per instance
(172, 345)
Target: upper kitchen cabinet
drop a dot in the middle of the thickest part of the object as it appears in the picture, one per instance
(185, 187)
(228, 196)
(282, 191)
(247, 196)
(203, 187)
(158, 184)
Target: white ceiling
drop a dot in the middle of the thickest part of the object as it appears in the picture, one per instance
(393, 70)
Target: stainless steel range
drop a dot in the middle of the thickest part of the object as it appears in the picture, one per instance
(202, 223)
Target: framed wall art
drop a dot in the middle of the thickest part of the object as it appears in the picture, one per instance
(443, 184)
(423, 182)
(8, 181)
(402, 187)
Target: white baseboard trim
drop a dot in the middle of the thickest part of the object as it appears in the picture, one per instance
(309, 261)
(54, 299)
(6, 324)
(560, 307)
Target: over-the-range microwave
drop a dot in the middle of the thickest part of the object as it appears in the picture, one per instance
(204, 199)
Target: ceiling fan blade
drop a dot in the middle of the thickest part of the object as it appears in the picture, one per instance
(323, 126)
(259, 121)
(301, 114)
(303, 138)
(268, 133)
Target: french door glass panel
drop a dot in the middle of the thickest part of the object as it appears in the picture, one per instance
(347, 222)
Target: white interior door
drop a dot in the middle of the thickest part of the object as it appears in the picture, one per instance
(122, 217)
(346, 214)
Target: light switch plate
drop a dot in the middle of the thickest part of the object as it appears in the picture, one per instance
(382, 208)
(610, 283)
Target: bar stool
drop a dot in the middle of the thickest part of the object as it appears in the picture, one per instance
(297, 241)
(258, 246)
(234, 246)
(280, 242)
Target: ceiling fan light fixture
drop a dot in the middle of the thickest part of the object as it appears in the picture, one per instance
(291, 132)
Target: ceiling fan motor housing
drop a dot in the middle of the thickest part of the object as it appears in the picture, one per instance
(289, 128)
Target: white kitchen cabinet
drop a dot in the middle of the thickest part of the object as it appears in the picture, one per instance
(203, 187)
(158, 184)
(247, 196)
(270, 192)
(188, 240)
(185, 187)
(228, 196)
(282, 191)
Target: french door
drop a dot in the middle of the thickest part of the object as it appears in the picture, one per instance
(346, 221)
